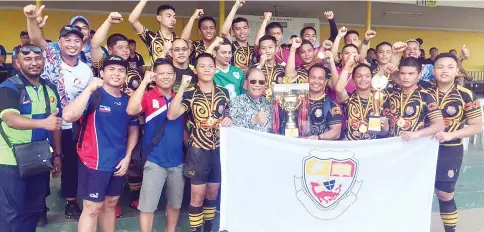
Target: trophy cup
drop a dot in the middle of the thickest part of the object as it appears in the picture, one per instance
(292, 99)
(379, 83)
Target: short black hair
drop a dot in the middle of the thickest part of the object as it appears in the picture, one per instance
(420, 41)
(305, 41)
(351, 32)
(452, 50)
(267, 37)
(163, 8)
(225, 41)
(358, 66)
(293, 36)
(239, 20)
(432, 48)
(446, 55)
(327, 72)
(351, 45)
(24, 32)
(203, 55)
(304, 30)
(131, 41)
(273, 25)
(383, 44)
(411, 62)
(92, 32)
(114, 38)
(162, 61)
(205, 18)
(371, 50)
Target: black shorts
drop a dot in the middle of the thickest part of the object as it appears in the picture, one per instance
(448, 167)
(202, 166)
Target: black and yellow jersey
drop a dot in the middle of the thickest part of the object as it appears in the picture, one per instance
(155, 42)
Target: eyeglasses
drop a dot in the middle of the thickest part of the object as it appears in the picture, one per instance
(261, 82)
(179, 50)
(29, 48)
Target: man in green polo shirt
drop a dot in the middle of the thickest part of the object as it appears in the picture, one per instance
(24, 120)
(227, 75)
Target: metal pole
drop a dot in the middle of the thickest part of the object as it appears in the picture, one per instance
(221, 15)
(368, 14)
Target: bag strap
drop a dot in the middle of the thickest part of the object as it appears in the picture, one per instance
(91, 108)
(156, 139)
(46, 99)
(326, 106)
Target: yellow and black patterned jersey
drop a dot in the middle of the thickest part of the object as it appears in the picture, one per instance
(302, 75)
(205, 113)
(413, 112)
(242, 57)
(318, 123)
(457, 105)
(133, 78)
(358, 111)
(154, 42)
(198, 48)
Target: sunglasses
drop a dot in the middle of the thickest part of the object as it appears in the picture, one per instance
(72, 28)
(261, 82)
(28, 49)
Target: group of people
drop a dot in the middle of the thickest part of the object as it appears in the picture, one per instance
(108, 118)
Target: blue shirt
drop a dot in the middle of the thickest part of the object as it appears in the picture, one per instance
(168, 152)
(105, 139)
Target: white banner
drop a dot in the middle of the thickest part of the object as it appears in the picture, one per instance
(274, 183)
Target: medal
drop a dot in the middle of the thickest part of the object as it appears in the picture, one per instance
(363, 128)
(210, 121)
(401, 122)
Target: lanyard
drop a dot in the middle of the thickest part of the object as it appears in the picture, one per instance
(402, 104)
(367, 108)
(445, 95)
(211, 103)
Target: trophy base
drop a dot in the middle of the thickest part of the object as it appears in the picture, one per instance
(291, 132)
(374, 125)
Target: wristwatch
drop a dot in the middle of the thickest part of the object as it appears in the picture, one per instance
(366, 42)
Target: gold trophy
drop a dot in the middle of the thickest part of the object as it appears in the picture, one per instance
(379, 83)
(290, 103)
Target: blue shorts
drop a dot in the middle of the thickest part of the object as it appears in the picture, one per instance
(95, 185)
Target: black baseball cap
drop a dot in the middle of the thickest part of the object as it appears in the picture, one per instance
(68, 29)
(114, 60)
(24, 32)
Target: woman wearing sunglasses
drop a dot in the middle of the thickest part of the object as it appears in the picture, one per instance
(252, 110)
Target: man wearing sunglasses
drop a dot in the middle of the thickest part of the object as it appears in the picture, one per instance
(252, 110)
(25, 120)
(70, 75)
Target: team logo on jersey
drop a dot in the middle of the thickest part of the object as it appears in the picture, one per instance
(410, 110)
(318, 113)
(221, 109)
(236, 75)
(451, 110)
(156, 104)
(104, 109)
(77, 82)
(328, 185)
(52, 99)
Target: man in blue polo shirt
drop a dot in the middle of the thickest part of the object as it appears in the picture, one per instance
(165, 158)
(107, 138)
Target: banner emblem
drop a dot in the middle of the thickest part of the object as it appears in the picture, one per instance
(328, 185)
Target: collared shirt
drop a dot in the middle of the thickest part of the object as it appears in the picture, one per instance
(136, 61)
(32, 106)
(168, 152)
(133, 78)
(205, 113)
(318, 124)
(105, 139)
(198, 48)
(302, 75)
(457, 105)
(232, 80)
(70, 81)
(416, 110)
(243, 57)
(154, 42)
(358, 111)
(15, 52)
(244, 107)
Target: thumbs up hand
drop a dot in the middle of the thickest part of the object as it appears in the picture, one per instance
(259, 118)
(464, 53)
(52, 122)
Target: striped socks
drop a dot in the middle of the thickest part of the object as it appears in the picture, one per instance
(448, 213)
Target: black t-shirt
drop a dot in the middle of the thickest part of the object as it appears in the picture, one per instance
(179, 73)
(136, 61)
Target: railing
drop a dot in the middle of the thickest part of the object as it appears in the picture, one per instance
(476, 75)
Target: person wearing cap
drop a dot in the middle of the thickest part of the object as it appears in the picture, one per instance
(3, 57)
(83, 23)
(70, 76)
(155, 41)
(105, 145)
(26, 120)
(24, 40)
(413, 50)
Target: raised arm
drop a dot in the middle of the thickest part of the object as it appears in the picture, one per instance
(97, 53)
(176, 108)
(341, 33)
(134, 104)
(215, 44)
(369, 34)
(35, 32)
(187, 30)
(291, 61)
(74, 110)
(230, 18)
(262, 29)
(340, 87)
(329, 15)
(134, 16)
